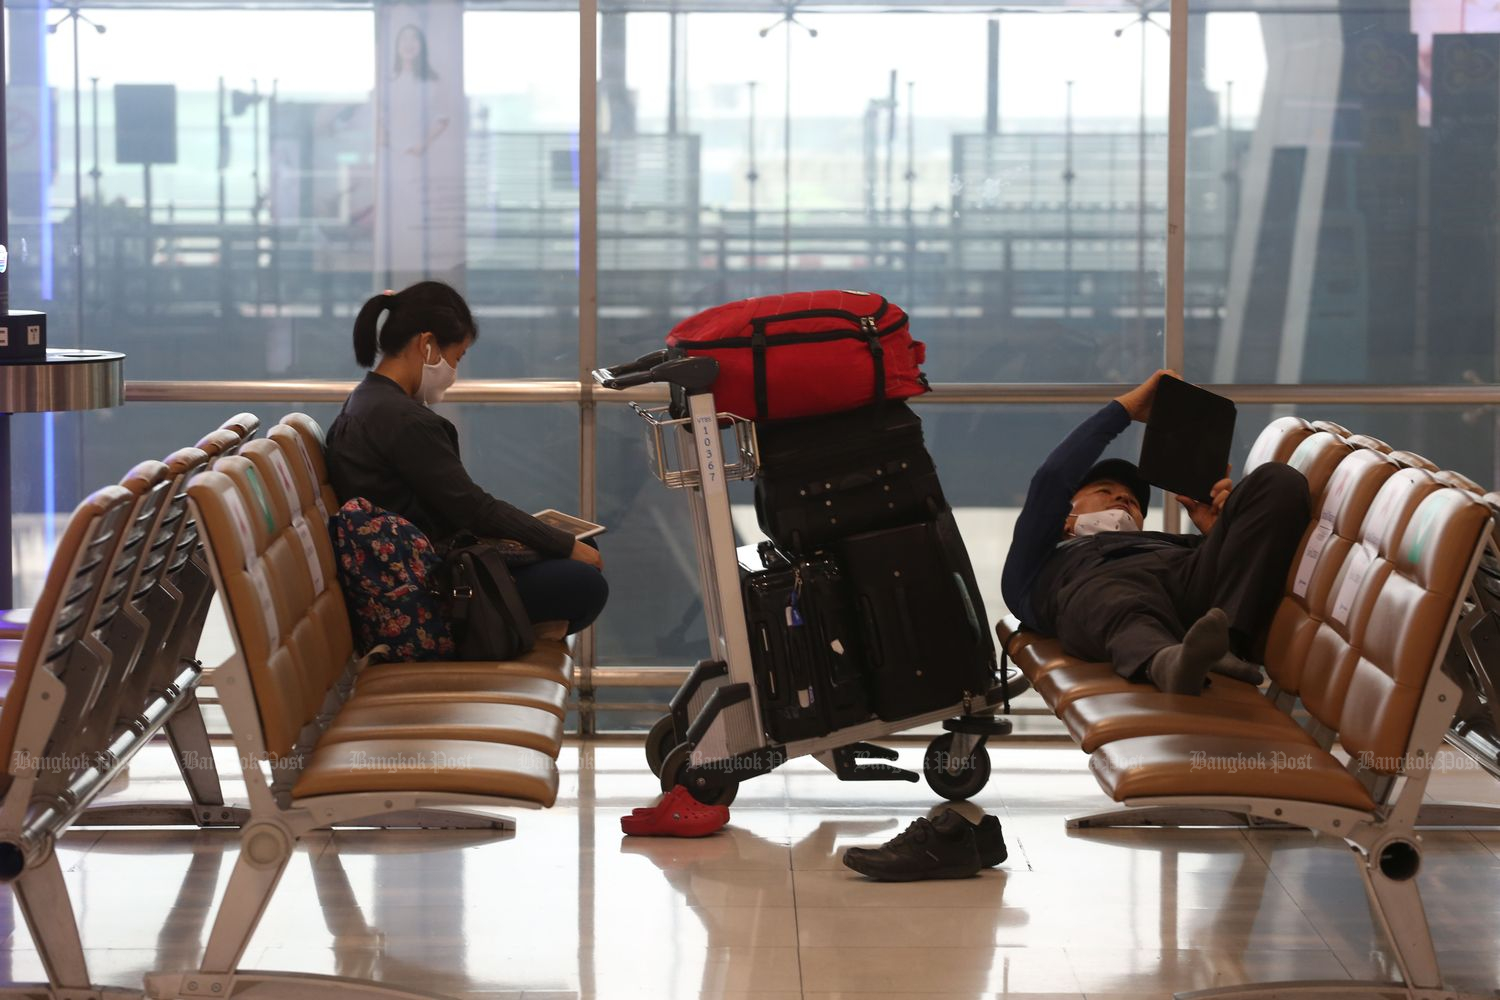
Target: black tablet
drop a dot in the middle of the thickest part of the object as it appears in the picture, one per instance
(1185, 449)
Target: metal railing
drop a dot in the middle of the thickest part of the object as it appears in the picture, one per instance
(950, 393)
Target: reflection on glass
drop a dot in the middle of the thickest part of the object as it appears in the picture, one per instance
(1359, 239)
(992, 173)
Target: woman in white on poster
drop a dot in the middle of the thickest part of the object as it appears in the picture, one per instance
(422, 178)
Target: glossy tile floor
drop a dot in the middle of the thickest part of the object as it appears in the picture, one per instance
(567, 907)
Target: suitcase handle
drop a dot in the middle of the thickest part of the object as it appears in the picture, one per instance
(693, 374)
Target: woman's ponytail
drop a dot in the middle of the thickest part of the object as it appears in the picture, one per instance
(427, 306)
(366, 324)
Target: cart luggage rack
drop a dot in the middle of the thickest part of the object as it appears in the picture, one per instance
(659, 418)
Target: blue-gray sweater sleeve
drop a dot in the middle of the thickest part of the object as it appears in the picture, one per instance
(1050, 498)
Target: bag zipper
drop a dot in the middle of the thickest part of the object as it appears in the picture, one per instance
(792, 338)
(761, 322)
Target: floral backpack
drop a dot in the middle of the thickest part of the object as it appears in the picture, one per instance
(384, 564)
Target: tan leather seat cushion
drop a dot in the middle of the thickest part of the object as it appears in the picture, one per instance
(412, 688)
(1074, 679)
(1154, 766)
(1062, 679)
(1105, 718)
(453, 766)
(518, 725)
(549, 661)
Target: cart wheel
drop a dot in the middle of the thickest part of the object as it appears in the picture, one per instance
(672, 767)
(972, 775)
(659, 742)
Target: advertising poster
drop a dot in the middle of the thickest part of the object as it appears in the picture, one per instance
(419, 142)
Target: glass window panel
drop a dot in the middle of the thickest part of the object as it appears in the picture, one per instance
(1342, 209)
(525, 454)
(760, 158)
(300, 160)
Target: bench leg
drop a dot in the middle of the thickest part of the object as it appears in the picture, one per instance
(431, 819)
(188, 735)
(1396, 904)
(1460, 814)
(265, 849)
(1318, 989)
(1168, 816)
(1390, 877)
(255, 985)
(43, 898)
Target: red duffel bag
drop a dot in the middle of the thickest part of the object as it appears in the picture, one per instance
(805, 353)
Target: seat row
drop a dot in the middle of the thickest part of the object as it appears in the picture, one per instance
(1379, 586)
(105, 662)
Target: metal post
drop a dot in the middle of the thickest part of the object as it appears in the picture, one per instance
(275, 242)
(1231, 183)
(1176, 206)
(1176, 185)
(992, 80)
(147, 305)
(77, 181)
(95, 174)
(7, 591)
(1140, 209)
(4, 301)
(255, 183)
(786, 169)
(588, 316)
(751, 177)
(890, 152)
(1068, 207)
(672, 74)
(911, 191)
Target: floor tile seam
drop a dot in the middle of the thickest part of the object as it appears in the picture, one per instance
(94, 837)
(1312, 922)
(797, 934)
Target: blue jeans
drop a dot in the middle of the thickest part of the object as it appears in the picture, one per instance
(555, 590)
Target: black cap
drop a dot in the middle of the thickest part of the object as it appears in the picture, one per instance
(1118, 470)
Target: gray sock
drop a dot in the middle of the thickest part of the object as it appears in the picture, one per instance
(1241, 670)
(1181, 669)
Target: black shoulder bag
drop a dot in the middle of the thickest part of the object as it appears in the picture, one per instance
(481, 603)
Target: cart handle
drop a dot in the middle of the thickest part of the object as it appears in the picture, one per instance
(693, 374)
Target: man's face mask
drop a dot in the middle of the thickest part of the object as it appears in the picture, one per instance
(1103, 520)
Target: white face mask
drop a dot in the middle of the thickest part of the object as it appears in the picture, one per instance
(436, 380)
(1099, 521)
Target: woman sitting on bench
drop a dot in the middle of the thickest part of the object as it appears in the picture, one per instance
(388, 447)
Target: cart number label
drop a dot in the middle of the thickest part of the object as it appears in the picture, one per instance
(709, 431)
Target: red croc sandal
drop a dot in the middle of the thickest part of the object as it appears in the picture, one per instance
(649, 810)
(678, 814)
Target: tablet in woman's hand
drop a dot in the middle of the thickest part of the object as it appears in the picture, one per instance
(575, 526)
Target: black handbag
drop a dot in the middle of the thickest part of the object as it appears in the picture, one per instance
(481, 604)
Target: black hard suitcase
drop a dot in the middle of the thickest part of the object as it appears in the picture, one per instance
(922, 622)
(825, 478)
(805, 651)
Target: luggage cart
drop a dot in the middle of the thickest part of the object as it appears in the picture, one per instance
(714, 736)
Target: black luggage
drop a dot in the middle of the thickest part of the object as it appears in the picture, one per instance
(826, 478)
(923, 628)
(803, 644)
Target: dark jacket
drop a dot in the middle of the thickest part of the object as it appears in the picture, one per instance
(393, 451)
(1040, 559)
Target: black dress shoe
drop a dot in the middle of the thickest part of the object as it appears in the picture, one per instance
(990, 841)
(944, 847)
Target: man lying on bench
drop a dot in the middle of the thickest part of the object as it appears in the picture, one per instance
(1160, 607)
